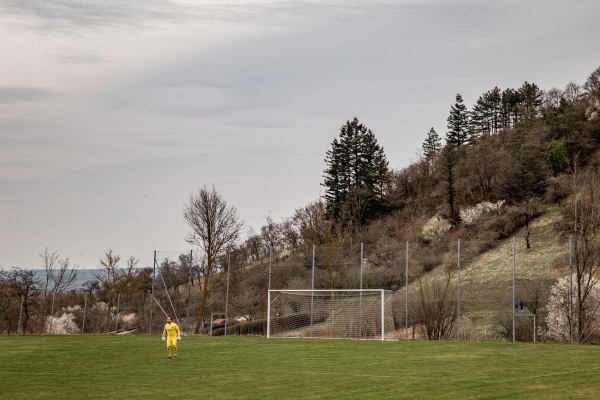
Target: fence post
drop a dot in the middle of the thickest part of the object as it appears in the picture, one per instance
(117, 313)
(458, 322)
(382, 314)
(270, 264)
(513, 291)
(406, 290)
(227, 292)
(312, 294)
(20, 315)
(268, 313)
(152, 292)
(362, 256)
(571, 288)
(187, 312)
(313, 269)
(52, 314)
(84, 311)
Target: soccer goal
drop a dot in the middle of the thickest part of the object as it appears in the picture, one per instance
(342, 313)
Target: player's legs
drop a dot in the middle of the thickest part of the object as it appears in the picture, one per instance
(172, 344)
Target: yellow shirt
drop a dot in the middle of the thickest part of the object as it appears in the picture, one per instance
(172, 329)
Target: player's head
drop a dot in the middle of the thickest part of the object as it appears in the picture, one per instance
(169, 320)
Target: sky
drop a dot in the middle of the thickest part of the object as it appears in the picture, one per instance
(114, 112)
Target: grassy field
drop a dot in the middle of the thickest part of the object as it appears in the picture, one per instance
(118, 367)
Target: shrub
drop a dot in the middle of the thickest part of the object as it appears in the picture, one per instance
(63, 324)
(255, 327)
(469, 216)
(436, 229)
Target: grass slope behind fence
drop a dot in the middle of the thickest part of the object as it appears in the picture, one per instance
(55, 367)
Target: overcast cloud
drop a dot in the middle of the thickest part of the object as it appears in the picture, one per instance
(112, 112)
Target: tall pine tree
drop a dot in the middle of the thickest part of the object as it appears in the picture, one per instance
(531, 99)
(449, 160)
(511, 99)
(486, 116)
(458, 123)
(432, 145)
(431, 149)
(356, 175)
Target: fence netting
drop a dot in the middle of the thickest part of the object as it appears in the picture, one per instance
(523, 289)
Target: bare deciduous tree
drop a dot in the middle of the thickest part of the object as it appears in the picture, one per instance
(573, 92)
(333, 241)
(581, 219)
(215, 226)
(22, 285)
(108, 279)
(436, 308)
(271, 234)
(253, 246)
(59, 277)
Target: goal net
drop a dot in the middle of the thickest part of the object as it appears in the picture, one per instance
(350, 313)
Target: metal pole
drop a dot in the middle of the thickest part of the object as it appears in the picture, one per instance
(313, 269)
(269, 314)
(312, 294)
(382, 314)
(84, 311)
(270, 264)
(513, 292)
(151, 303)
(227, 293)
(117, 313)
(187, 312)
(52, 314)
(203, 267)
(406, 290)
(534, 327)
(458, 323)
(571, 288)
(362, 255)
(20, 315)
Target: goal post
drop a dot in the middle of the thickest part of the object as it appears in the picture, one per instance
(337, 313)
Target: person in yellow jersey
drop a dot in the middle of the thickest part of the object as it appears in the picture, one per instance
(172, 333)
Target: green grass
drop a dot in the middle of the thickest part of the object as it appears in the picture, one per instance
(59, 367)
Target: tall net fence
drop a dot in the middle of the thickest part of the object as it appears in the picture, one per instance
(514, 289)
(82, 313)
(462, 290)
(112, 300)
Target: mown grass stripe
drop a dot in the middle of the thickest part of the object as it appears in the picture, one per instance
(101, 367)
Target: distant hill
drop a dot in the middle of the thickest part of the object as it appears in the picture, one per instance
(83, 275)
